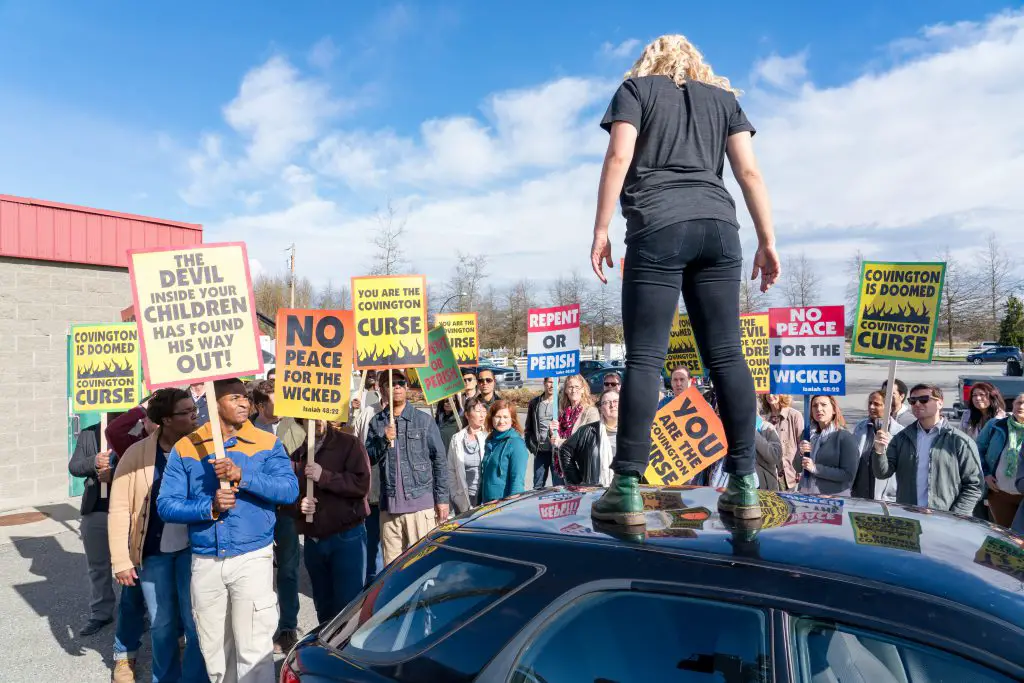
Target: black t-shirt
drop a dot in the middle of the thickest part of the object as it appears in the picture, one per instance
(676, 173)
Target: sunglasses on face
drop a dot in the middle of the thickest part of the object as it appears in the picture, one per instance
(611, 384)
(486, 380)
(399, 383)
(919, 399)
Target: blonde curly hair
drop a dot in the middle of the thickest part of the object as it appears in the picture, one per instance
(679, 59)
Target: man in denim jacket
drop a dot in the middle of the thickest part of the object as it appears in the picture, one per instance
(416, 500)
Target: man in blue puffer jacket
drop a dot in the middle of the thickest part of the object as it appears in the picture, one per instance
(232, 534)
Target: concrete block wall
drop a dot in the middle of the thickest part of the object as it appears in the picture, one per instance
(39, 301)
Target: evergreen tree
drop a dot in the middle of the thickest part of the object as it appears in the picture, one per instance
(1011, 329)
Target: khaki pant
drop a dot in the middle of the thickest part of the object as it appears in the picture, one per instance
(399, 532)
(235, 610)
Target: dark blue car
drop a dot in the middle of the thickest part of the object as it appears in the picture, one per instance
(994, 354)
(530, 590)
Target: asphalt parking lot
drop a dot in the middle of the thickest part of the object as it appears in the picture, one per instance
(44, 589)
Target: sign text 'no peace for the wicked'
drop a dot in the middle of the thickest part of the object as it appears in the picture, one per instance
(194, 313)
(314, 355)
(553, 341)
(390, 315)
(808, 350)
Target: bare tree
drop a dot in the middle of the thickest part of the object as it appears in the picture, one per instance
(467, 281)
(518, 300)
(390, 257)
(566, 291)
(489, 318)
(996, 274)
(962, 294)
(334, 298)
(752, 299)
(274, 291)
(800, 281)
(853, 267)
(602, 311)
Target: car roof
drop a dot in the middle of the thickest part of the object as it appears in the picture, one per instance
(965, 560)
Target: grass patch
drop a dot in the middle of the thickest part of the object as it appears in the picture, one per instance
(521, 397)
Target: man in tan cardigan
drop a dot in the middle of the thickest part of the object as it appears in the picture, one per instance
(143, 549)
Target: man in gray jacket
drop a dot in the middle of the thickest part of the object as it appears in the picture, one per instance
(936, 465)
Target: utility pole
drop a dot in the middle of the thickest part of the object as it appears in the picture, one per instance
(293, 274)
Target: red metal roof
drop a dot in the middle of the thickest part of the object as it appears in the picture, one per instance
(37, 229)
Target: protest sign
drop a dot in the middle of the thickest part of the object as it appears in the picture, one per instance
(807, 350)
(898, 310)
(196, 320)
(682, 347)
(314, 371)
(754, 337)
(390, 315)
(105, 367)
(553, 341)
(814, 510)
(884, 531)
(686, 437)
(463, 336)
(442, 377)
(1003, 556)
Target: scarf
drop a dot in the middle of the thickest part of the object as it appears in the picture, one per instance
(1014, 439)
(567, 419)
(604, 449)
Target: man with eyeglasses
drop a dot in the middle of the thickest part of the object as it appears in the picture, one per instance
(146, 552)
(936, 465)
(539, 413)
(232, 533)
(413, 467)
(586, 456)
(486, 386)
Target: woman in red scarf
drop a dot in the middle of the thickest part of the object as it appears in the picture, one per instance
(575, 409)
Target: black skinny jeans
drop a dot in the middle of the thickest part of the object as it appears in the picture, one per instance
(703, 258)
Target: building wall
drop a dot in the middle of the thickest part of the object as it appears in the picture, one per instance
(39, 300)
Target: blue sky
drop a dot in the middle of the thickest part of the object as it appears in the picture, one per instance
(272, 123)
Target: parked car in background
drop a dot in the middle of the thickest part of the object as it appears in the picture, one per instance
(531, 590)
(994, 354)
(595, 377)
(588, 366)
(1009, 387)
(504, 377)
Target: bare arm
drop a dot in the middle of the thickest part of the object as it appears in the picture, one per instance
(618, 157)
(740, 150)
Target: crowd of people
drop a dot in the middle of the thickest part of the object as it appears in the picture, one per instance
(193, 540)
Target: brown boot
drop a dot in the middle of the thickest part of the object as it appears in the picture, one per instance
(285, 641)
(124, 671)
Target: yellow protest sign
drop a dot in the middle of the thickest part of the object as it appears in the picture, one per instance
(682, 347)
(105, 367)
(898, 310)
(1001, 555)
(886, 531)
(390, 315)
(686, 437)
(754, 336)
(314, 371)
(463, 336)
(195, 315)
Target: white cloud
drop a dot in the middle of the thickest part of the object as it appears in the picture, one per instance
(624, 49)
(781, 72)
(323, 53)
(898, 163)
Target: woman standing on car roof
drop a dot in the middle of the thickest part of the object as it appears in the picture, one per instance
(672, 124)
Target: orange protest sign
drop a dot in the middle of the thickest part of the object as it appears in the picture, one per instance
(314, 353)
(686, 437)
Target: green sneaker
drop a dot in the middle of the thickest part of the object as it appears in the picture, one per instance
(621, 502)
(740, 498)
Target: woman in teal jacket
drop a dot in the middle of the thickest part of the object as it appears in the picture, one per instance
(503, 470)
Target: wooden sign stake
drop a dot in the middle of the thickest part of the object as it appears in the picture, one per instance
(218, 435)
(104, 488)
(310, 451)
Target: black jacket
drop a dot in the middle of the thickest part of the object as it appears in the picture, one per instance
(580, 456)
(530, 430)
(83, 464)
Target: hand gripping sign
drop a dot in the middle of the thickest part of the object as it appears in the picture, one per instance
(195, 315)
(553, 341)
(898, 310)
(808, 350)
(686, 437)
(390, 316)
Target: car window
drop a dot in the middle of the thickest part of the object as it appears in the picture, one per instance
(831, 652)
(428, 594)
(671, 639)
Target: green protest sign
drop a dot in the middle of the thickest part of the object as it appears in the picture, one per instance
(442, 377)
